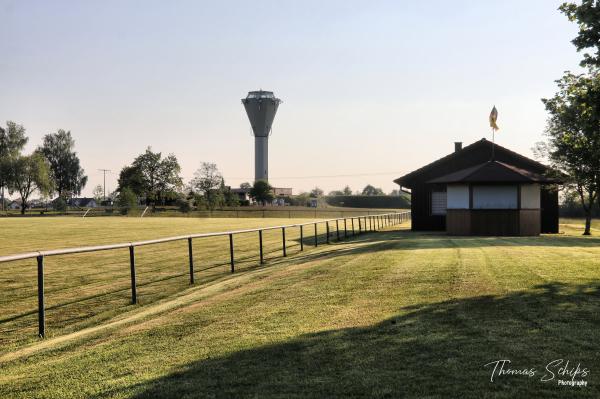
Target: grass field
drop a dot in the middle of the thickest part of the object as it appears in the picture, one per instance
(388, 314)
(289, 212)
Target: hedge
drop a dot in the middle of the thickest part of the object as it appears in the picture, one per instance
(370, 201)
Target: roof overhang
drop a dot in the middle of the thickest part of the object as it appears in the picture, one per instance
(494, 172)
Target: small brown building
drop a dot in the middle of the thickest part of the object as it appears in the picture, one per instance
(476, 192)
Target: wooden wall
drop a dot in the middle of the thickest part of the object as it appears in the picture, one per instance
(529, 220)
(491, 222)
(420, 207)
(458, 222)
(549, 215)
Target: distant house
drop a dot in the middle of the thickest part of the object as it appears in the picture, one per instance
(14, 205)
(36, 203)
(242, 193)
(82, 202)
(475, 191)
(282, 191)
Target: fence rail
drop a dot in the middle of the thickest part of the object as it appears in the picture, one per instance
(365, 223)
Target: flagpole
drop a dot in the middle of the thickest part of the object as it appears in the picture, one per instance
(493, 142)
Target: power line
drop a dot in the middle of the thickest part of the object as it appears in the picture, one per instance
(104, 172)
(326, 176)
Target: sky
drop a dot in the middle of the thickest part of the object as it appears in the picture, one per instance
(371, 90)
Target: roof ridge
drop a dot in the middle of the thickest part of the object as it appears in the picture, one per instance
(482, 141)
(445, 157)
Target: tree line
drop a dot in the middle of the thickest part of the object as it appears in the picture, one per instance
(52, 168)
(154, 180)
(151, 179)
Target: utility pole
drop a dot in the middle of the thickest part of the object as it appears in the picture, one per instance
(104, 186)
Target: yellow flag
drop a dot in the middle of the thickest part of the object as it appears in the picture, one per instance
(493, 118)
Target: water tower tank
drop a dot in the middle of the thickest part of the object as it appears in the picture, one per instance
(261, 107)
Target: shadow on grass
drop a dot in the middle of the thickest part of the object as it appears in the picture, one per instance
(436, 351)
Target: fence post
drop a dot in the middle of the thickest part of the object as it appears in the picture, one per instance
(301, 238)
(132, 267)
(231, 261)
(359, 226)
(337, 228)
(345, 229)
(260, 245)
(283, 239)
(327, 224)
(191, 255)
(41, 307)
(316, 236)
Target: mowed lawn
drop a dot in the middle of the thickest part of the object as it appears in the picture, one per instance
(387, 314)
(86, 289)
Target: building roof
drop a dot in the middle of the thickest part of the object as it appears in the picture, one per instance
(81, 202)
(471, 156)
(240, 190)
(493, 172)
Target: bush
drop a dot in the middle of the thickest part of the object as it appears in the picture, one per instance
(127, 201)
(370, 201)
(60, 205)
(184, 205)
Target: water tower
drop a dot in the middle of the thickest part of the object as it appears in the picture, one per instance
(261, 107)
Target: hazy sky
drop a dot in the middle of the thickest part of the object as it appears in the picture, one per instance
(373, 88)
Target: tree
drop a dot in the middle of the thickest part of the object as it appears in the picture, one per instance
(98, 193)
(347, 190)
(231, 198)
(316, 192)
(395, 193)
(208, 181)
(246, 186)
(335, 193)
(587, 16)
(300, 199)
(12, 141)
(127, 200)
(131, 177)
(262, 192)
(66, 173)
(29, 173)
(370, 190)
(157, 177)
(573, 132)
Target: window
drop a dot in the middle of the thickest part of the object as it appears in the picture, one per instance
(495, 197)
(438, 202)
